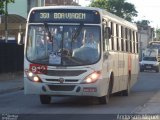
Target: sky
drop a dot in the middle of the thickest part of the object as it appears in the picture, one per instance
(147, 10)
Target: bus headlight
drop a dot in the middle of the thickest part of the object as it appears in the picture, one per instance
(93, 77)
(33, 77)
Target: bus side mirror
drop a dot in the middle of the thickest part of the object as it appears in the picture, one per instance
(108, 32)
(20, 38)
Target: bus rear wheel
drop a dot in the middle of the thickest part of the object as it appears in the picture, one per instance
(45, 99)
(127, 91)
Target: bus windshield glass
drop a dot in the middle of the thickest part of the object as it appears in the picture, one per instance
(63, 45)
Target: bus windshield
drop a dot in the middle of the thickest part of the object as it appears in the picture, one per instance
(63, 45)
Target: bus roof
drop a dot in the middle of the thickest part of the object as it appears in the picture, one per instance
(104, 14)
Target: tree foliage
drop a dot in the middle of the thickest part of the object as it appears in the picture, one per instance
(158, 31)
(143, 22)
(120, 8)
(2, 5)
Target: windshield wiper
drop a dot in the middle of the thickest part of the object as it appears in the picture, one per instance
(47, 30)
(50, 37)
(77, 32)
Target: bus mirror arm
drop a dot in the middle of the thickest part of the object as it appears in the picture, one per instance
(20, 38)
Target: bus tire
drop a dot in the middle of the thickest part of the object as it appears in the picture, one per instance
(45, 99)
(127, 91)
(157, 70)
(105, 99)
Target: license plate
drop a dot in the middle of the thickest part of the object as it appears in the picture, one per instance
(148, 66)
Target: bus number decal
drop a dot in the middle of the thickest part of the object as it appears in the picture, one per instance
(38, 69)
(44, 15)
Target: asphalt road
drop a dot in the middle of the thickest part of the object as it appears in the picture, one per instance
(82, 107)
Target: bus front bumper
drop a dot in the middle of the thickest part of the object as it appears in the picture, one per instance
(99, 89)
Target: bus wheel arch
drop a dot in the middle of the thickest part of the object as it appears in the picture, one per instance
(105, 99)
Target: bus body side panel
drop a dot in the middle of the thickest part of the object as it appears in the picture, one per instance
(126, 70)
(121, 65)
(113, 68)
(135, 69)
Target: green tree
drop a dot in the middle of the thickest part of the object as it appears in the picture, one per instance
(120, 8)
(143, 22)
(2, 5)
(158, 34)
(158, 31)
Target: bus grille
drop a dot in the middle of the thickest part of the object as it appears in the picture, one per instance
(66, 80)
(64, 72)
(148, 65)
(61, 87)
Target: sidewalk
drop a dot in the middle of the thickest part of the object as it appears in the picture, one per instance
(152, 106)
(11, 82)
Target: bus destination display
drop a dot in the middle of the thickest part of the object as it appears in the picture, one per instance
(63, 16)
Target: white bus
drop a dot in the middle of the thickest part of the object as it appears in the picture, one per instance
(59, 59)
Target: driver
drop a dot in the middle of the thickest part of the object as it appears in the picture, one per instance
(88, 40)
(88, 52)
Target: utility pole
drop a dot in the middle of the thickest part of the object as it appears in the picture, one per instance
(6, 21)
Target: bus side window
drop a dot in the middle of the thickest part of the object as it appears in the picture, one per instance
(122, 38)
(126, 40)
(117, 37)
(112, 37)
(106, 36)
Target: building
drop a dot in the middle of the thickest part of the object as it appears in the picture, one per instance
(15, 24)
(21, 8)
(145, 35)
(17, 15)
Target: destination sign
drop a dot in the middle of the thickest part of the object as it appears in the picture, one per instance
(64, 16)
(70, 16)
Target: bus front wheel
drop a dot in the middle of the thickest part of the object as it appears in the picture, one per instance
(45, 99)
